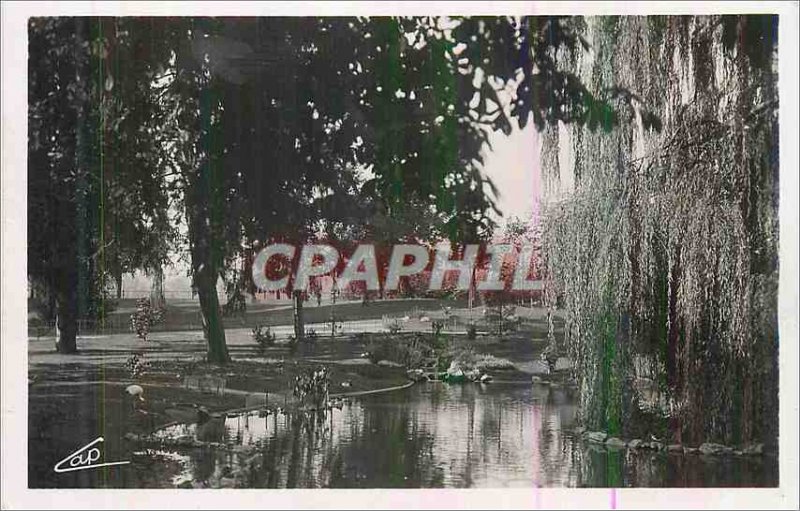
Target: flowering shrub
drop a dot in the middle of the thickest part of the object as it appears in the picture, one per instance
(136, 365)
(145, 316)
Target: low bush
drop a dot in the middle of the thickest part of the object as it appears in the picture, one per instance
(292, 344)
(136, 365)
(411, 351)
(311, 388)
(264, 337)
(145, 316)
(468, 359)
(395, 327)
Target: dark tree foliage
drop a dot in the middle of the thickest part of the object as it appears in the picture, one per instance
(97, 203)
(277, 128)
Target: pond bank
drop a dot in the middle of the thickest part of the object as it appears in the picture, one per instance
(172, 376)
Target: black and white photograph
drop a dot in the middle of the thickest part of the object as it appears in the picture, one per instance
(418, 248)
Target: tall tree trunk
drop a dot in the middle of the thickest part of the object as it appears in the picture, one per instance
(205, 219)
(118, 283)
(67, 315)
(299, 326)
(71, 241)
(205, 281)
(213, 328)
(157, 289)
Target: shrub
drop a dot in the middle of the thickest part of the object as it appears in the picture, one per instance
(465, 356)
(443, 362)
(335, 326)
(395, 327)
(411, 351)
(487, 362)
(378, 349)
(441, 348)
(145, 316)
(236, 304)
(311, 388)
(264, 337)
(136, 365)
(503, 318)
(468, 359)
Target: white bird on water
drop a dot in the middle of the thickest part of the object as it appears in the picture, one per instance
(136, 392)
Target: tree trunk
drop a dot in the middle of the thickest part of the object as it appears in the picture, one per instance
(67, 316)
(71, 238)
(299, 327)
(118, 282)
(672, 366)
(205, 276)
(673, 329)
(213, 329)
(157, 289)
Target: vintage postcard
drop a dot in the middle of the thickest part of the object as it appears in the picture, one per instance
(450, 255)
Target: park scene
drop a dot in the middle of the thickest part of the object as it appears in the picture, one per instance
(403, 252)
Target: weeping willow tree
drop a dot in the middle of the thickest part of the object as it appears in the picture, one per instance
(663, 242)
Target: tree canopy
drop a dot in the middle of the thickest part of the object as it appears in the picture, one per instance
(262, 128)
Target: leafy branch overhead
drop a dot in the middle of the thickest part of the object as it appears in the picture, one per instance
(533, 58)
(209, 136)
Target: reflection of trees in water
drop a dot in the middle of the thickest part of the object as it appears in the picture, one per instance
(554, 448)
(629, 468)
(454, 436)
(392, 449)
(599, 467)
(294, 457)
(204, 464)
(485, 436)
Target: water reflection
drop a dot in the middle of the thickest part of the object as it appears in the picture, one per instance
(436, 435)
(430, 435)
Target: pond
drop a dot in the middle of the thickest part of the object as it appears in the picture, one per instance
(436, 435)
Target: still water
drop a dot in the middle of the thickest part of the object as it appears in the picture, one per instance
(437, 435)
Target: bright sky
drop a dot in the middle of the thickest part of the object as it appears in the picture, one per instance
(513, 165)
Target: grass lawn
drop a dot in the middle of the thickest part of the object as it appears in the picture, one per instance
(185, 314)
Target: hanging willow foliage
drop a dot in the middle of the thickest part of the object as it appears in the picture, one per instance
(664, 245)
